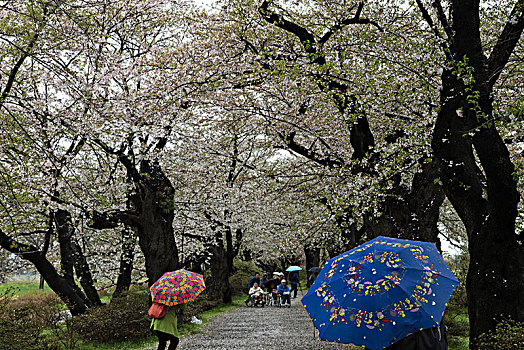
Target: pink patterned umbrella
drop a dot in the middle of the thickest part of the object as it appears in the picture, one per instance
(177, 287)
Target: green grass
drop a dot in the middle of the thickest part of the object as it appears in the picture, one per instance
(21, 288)
(139, 344)
(184, 330)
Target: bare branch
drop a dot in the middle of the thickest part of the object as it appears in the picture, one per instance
(354, 20)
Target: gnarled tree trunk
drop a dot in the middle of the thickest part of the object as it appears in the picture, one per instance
(485, 197)
(151, 217)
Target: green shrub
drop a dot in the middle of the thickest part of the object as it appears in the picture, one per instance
(244, 270)
(122, 319)
(508, 335)
(25, 321)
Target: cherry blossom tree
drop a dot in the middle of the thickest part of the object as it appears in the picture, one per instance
(370, 71)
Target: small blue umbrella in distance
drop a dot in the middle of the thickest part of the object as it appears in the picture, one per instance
(293, 268)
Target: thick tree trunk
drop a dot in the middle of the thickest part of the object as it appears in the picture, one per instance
(127, 257)
(411, 213)
(151, 217)
(485, 197)
(219, 286)
(69, 258)
(312, 255)
(154, 201)
(487, 204)
(83, 273)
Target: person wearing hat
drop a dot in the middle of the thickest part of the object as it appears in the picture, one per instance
(285, 293)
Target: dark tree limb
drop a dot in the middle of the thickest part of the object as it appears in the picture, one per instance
(506, 42)
(436, 32)
(328, 161)
(113, 218)
(307, 39)
(354, 20)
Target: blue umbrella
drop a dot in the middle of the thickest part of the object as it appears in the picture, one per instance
(293, 268)
(380, 292)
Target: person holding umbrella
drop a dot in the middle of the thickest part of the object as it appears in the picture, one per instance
(171, 290)
(166, 329)
(384, 294)
(294, 278)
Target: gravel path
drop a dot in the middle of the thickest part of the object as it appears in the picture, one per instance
(268, 328)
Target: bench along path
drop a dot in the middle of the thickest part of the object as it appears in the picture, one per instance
(267, 328)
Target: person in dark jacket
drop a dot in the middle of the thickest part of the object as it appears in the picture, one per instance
(253, 280)
(293, 281)
(263, 280)
(434, 338)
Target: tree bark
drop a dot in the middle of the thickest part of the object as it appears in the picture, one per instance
(151, 217)
(485, 197)
(219, 286)
(156, 237)
(411, 213)
(312, 255)
(83, 272)
(223, 250)
(127, 257)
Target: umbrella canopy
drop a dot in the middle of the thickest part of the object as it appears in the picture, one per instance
(294, 268)
(380, 292)
(272, 283)
(177, 287)
(315, 269)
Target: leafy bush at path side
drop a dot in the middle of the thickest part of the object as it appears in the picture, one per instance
(122, 319)
(508, 335)
(244, 270)
(24, 321)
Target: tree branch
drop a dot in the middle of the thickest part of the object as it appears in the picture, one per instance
(122, 158)
(309, 154)
(306, 38)
(506, 42)
(354, 20)
(107, 220)
(429, 20)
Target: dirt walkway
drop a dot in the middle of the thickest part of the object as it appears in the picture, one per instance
(268, 328)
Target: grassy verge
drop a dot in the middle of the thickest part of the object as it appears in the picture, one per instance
(21, 288)
(185, 329)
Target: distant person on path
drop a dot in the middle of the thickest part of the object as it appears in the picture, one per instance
(284, 292)
(253, 280)
(257, 294)
(293, 280)
(263, 280)
(312, 278)
(166, 329)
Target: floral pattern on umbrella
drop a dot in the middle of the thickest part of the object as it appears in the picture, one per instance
(380, 292)
(177, 287)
